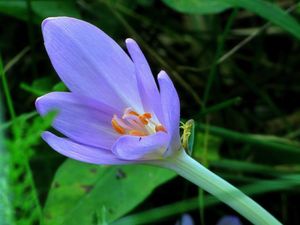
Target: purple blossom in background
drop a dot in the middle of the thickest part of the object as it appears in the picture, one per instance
(229, 220)
(185, 219)
(114, 112)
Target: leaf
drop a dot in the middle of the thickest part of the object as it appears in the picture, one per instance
(267, 10)
(40, 9)
(81, 192)
(197, 6)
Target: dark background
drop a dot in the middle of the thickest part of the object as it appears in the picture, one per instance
(246, 107)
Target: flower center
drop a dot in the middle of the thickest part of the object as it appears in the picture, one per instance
(136, 124)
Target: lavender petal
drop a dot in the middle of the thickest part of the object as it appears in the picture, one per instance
(146, 84)
(89, 62)
(171, 108)
(141, 148)
(81, 152)
(81, 119)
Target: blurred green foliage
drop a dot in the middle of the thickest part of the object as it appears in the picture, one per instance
(37, 10)
(235, 66)
(198, 7)
(262, 8)
(6, 208)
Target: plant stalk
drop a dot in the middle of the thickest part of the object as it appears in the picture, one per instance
(193, 171)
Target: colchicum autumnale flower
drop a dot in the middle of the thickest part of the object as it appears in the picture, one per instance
(115, 113)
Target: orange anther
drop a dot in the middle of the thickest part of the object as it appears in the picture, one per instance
(147, 115)
(133, 113)
(117, 127)
(160, 128)
(143, 119)
(137, 133)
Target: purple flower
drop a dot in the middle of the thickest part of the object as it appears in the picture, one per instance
(185, 219)
(114, 112)
(229, 220)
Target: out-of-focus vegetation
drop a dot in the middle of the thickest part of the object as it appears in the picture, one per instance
(235, 64)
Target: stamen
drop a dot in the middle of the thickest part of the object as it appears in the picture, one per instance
(133, 123)
(121, 122)
(130, 111)
(160, 128)
(136, 124)
(145, 117)
(117, 127)
(133, 113)
(137, 133)
(132, 116)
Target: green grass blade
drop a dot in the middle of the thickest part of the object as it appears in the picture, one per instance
(199, 6)
(251, 139)
(267, 10)
(271, 12)
(6, 91)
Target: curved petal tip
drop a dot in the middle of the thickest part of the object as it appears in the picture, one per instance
(45, 135)
(130, 41)
(49, 19)
(42, 101)
(36, 103)
(39, 105)
(45, 21)
(162, 74)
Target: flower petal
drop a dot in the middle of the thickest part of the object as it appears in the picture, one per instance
(81, 119)
(146, 84)
(185, 219)
(90, 63)
(81, 152)
(229, 220)
(171, 108)
(141, 148)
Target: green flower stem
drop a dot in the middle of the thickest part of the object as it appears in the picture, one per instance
(193, 171)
